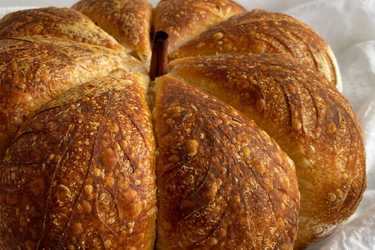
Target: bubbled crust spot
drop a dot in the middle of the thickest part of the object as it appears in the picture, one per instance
(222, 182)
(259, 32)
(185, 19)
(55, 22)
(310, 120)
(129, 21)
(36, 70)
(93, 187)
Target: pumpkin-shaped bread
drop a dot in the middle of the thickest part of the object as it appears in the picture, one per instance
(241, 142)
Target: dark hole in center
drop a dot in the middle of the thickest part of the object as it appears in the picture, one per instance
(159, 59)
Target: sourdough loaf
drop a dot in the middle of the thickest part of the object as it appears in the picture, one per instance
(244, 143)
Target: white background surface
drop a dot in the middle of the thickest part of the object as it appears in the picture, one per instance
(349, 27)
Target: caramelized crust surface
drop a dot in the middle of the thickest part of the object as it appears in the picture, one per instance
(93, 187)
(259, 32)
(185, 19)
(311, 121)
(36, 70)
(55, 22)
(222, 182)
(129, 21)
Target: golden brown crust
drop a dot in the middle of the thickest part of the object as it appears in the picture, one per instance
(93, 187)
(310, 120)
(222, 182)
(36, 70)
(259, 32)
(185, 19)
(129, 21)
(55, 22)
(79, 173)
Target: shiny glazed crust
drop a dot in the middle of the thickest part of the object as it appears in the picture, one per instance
(55, 22)
(94, 185)
(259, 32)
(311, 121)
(129, 21)
(223, 183)
(185, 19)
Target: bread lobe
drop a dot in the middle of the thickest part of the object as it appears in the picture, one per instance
(129, 21)
(62, 23)
(35, 70)
(260, 31)
(185, 19)
(311, 121)
(222, 182)
(93, 187)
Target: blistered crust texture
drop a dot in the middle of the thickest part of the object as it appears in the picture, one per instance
(185, 19)
(223, 183)
(129, 21)
(94, 185)
(310, 120)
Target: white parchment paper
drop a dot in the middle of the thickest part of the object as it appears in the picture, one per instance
(349, 27)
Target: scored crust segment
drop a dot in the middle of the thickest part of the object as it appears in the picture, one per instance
(94, 185)
(129, 21)
(185, 19)
(259, 32)
(55, 22)
(35, 70)
(311, 122)
(222, 182)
